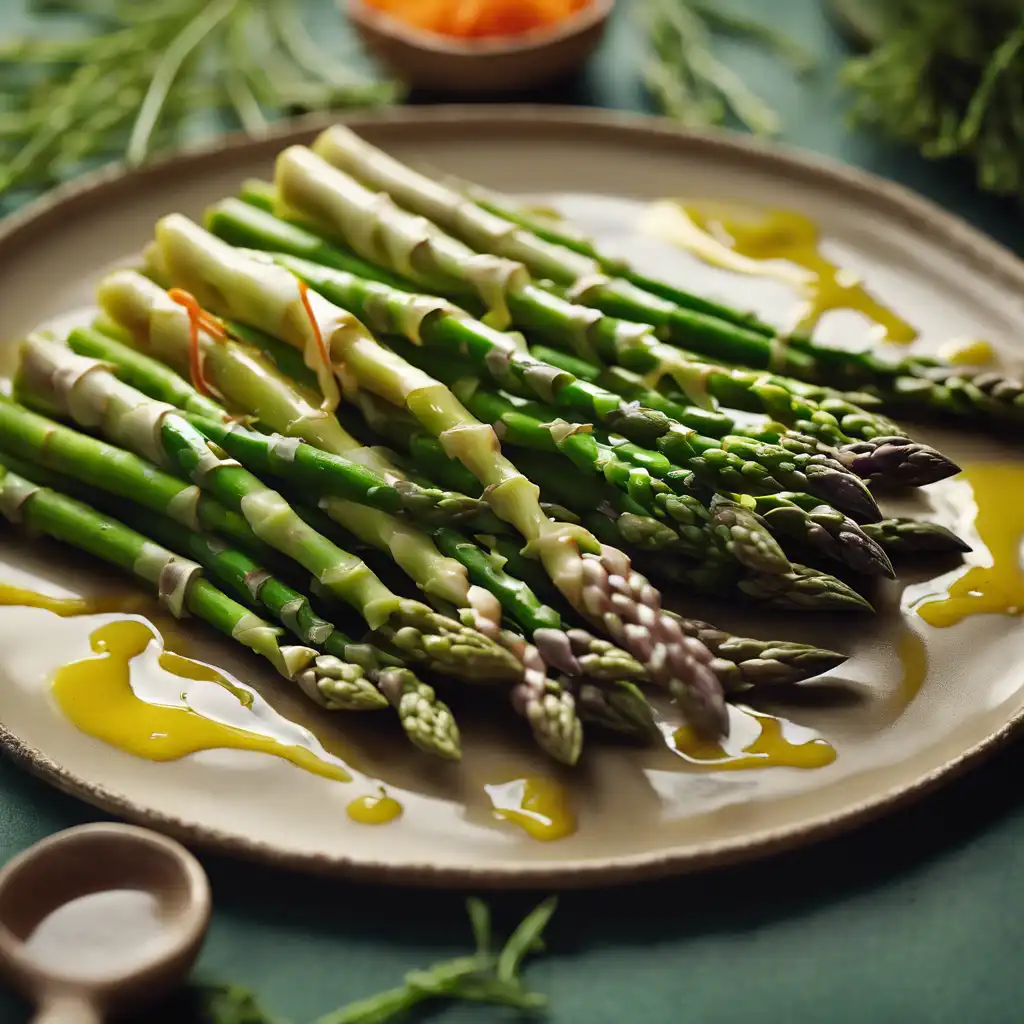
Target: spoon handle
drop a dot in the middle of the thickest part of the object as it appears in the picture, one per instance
(67, 1010)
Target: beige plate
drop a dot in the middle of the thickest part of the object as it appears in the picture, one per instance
(640, 814)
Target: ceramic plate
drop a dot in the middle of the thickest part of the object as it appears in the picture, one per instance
(898, 720)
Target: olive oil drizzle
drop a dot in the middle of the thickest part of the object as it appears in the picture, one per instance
(779, 244)
(771, 748)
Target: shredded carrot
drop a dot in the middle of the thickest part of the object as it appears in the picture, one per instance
(325, 356)
(468, 19)
(198, 319)
(317, 333)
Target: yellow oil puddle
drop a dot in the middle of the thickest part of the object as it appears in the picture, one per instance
(913, 656)
(756, 740)
(779, 244)
(967, 352)
(537, 805)
(374, 810)
(996, 585)
(127, 603)
(71, 607)
(96, 695)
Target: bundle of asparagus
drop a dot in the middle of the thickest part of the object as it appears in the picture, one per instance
(575, 265)
(239, 396)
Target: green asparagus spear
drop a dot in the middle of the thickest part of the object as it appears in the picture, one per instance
(785, 663)
(763, 663)
(317, 473)
(145, 373)
(918, 384)
(619, 707)
(177, 580)
(883, 457)
(584, 278)
(825, 416)
(598, 580)
(907, 537)
(427, 721)
(800, 518)
(833, 420)
(435, 323)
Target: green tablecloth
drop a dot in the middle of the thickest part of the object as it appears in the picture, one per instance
(914, 919)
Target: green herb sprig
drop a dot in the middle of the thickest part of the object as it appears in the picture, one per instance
(142, 68)
(689, 83)
(947, 78)
(489, 975)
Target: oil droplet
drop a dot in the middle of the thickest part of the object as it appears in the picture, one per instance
(69, 607)
(757, 740)
(996, 586)
(537, 805)
(967, 352)
(374, 810)
(913, 655)
(96, 695)
(115, 930)
(746, 241)
(131, 603)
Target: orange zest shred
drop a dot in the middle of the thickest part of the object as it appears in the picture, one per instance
(198, 319)
(321, 347)
(475, 19)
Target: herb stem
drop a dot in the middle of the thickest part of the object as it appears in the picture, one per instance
(167, 70)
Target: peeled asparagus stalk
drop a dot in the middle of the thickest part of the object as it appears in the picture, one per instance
(177, 581)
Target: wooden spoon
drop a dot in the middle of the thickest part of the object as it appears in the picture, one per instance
(100, 918)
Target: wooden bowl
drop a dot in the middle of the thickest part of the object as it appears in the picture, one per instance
(427, 60)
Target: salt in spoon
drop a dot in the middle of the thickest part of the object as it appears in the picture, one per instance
(100, 918)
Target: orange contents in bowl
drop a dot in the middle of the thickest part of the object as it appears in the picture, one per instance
(473, 19)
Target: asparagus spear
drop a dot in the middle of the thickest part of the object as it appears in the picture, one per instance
(693, 528)
(139, 307)
(316, 472)
(754, 662)
(901, 537)
(818, 412)
(546, 705)
(918, 384)
(619, 707)
(598, 580)
(724, 532)
(802, 589)
(555, 251)
(790, 589)
(801, 518)
(445, 327)
(484, 231)
(761, 663)
(739, 526)
(420, 633)
(427, 721)
(144, 373)
(177, 581)
(883, 457)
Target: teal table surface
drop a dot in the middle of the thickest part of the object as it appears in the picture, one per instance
(916, 918)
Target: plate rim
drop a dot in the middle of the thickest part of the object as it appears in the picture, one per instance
(917, 212)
